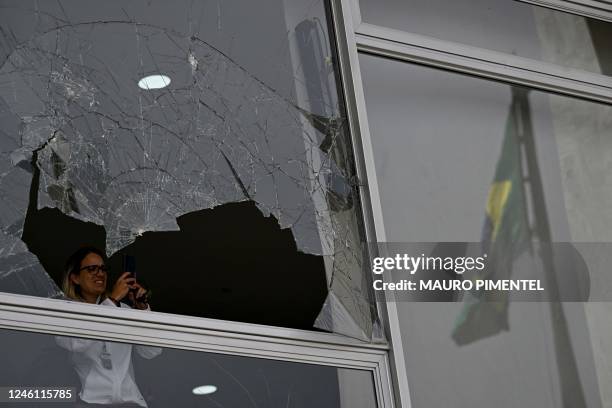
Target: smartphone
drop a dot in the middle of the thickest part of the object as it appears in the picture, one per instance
(129, 265)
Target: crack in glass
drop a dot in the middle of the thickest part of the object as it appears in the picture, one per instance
(134, 160)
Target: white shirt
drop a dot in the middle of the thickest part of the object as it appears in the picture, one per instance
(100, 385)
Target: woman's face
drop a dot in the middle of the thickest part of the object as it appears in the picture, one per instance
(91, 276)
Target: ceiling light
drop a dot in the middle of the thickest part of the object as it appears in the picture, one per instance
(157, 81)
(204, 389)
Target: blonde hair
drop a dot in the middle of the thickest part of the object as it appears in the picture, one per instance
(73, 267)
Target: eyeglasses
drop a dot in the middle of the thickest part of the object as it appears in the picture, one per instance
(92, 269)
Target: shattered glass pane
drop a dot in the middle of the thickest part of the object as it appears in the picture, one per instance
(252, 113)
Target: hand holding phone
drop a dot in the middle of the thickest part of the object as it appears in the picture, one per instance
(138, 296)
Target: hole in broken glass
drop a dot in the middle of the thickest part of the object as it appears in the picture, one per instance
(229, 128)
(228, 263)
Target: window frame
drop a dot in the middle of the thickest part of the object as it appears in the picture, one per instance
(346, 20)
(409, 47)
(600, 9)
(412, 48)
(66, 318)
(61, 317)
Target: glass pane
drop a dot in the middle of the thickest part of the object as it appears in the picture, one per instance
(119, 374)
(207, 140)
(511, 27)
(440, 143)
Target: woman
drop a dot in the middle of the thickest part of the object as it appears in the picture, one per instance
(104, 368)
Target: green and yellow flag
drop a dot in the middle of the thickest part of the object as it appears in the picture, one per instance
(505, 235)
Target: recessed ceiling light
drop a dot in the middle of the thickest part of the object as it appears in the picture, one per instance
(204, 389)
(154, 82)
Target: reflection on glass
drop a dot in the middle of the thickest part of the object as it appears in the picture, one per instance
(235, 164)
(175, 378)
(462, 159)
(511, 27)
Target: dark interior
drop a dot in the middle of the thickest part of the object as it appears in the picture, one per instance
(230, 262)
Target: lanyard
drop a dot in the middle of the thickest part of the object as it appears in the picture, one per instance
(105, 356)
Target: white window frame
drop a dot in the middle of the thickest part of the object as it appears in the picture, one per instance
(60, 317)
(600, 9)
(409, 47)
(346, 19)
(401, 45)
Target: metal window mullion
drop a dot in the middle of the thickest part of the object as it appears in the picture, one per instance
(53, 322)
(601, 10)
(58, 323)
(598, 9)
(122, 329)
(396, 389)
(476, 61)
(343, 18)
(74, 313)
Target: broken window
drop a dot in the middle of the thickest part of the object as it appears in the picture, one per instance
(246, 121)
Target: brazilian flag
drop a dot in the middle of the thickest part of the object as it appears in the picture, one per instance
(505, 234)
